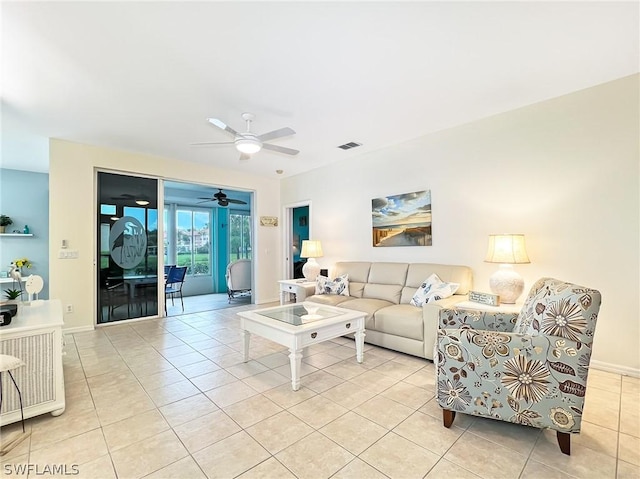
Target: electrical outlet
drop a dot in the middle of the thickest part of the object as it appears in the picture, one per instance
(69, 308)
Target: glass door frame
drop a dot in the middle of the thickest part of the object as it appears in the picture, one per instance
(160, 299)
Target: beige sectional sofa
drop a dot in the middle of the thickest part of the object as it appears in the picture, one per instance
(384, 290)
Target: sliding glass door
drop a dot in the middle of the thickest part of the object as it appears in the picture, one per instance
(127, 247)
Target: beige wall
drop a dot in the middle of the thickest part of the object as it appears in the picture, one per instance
(72, 216)
(564, 172)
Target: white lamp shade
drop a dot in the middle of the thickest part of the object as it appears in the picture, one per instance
(311, 249)
(507, 249)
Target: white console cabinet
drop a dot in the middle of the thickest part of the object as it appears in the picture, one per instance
(35, 336)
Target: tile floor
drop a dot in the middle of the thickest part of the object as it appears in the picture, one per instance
(171, 398)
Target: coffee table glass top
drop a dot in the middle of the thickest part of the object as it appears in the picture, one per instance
(298, 314)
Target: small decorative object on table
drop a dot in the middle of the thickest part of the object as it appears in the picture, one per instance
(12, 294)
(22, 263)
(4, 222)
(484, 298)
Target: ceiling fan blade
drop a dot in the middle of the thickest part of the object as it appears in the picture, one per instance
(244, 156)
(205, 201)
(280, 149)
(237, 202)
(207, 143)
(222, 125)
(272, 135)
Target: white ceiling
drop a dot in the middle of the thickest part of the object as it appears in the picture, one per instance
(145, 76)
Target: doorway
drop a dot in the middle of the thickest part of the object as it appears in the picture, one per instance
(205, 229)
(298, 229)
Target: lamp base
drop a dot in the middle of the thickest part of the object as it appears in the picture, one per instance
(311, 269)
(507, 284)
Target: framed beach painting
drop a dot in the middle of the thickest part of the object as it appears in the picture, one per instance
(402, 220)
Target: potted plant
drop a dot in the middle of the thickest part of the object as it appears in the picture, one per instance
(5, 221)
(12, 294)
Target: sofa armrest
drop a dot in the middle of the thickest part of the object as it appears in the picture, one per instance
(451, 318)
(430, 317)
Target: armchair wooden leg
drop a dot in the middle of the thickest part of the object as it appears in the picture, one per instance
(564, 441)
(448, 417)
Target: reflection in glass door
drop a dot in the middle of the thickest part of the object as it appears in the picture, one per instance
(127, 247)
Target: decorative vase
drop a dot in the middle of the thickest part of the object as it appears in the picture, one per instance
(2, 229)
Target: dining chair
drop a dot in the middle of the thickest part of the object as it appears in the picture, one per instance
(173, 286)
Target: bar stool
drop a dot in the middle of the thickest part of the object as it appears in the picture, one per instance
(7, 364)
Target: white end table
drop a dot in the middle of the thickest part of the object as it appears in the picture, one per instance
(502, 308)
(300, 287)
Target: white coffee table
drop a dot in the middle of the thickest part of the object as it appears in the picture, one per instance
(300, 325)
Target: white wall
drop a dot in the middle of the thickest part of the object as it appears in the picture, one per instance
(72, 216)
(564, 172)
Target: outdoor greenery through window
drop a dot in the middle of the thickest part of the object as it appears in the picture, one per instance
(239, 235)
(193, 240)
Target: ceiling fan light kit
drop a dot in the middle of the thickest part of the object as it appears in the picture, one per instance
(248, 146)
(248, 143)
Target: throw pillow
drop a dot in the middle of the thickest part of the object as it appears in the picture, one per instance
(339, 285)
(433, 289)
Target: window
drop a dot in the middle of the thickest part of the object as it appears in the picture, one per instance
(239, 235)
(193, 240)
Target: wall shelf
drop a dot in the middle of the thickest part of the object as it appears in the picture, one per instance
(16, 234)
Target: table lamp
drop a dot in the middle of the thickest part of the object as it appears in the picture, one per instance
(508, 249)
(311, 250)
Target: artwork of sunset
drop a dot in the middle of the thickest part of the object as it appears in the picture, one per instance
(402, 220)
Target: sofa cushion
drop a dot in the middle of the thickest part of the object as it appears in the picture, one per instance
(366, 305)
(433, 289)
(358, 274)
(388, 273)
(386, 281)
(328, 299)
(400, 320)
(386, 292)
(339, 285)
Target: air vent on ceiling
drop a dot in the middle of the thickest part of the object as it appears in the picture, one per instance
(348, 146)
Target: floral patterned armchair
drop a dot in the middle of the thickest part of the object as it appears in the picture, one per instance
(528, 368)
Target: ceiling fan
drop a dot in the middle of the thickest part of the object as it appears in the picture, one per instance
(140, 199)
(248, 143)
(222, 199)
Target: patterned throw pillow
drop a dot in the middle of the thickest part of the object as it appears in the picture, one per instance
(433, 289)
(340, 285)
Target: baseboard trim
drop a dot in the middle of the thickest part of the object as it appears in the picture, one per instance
(615, 368)
(265, 301)
(78, 329)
